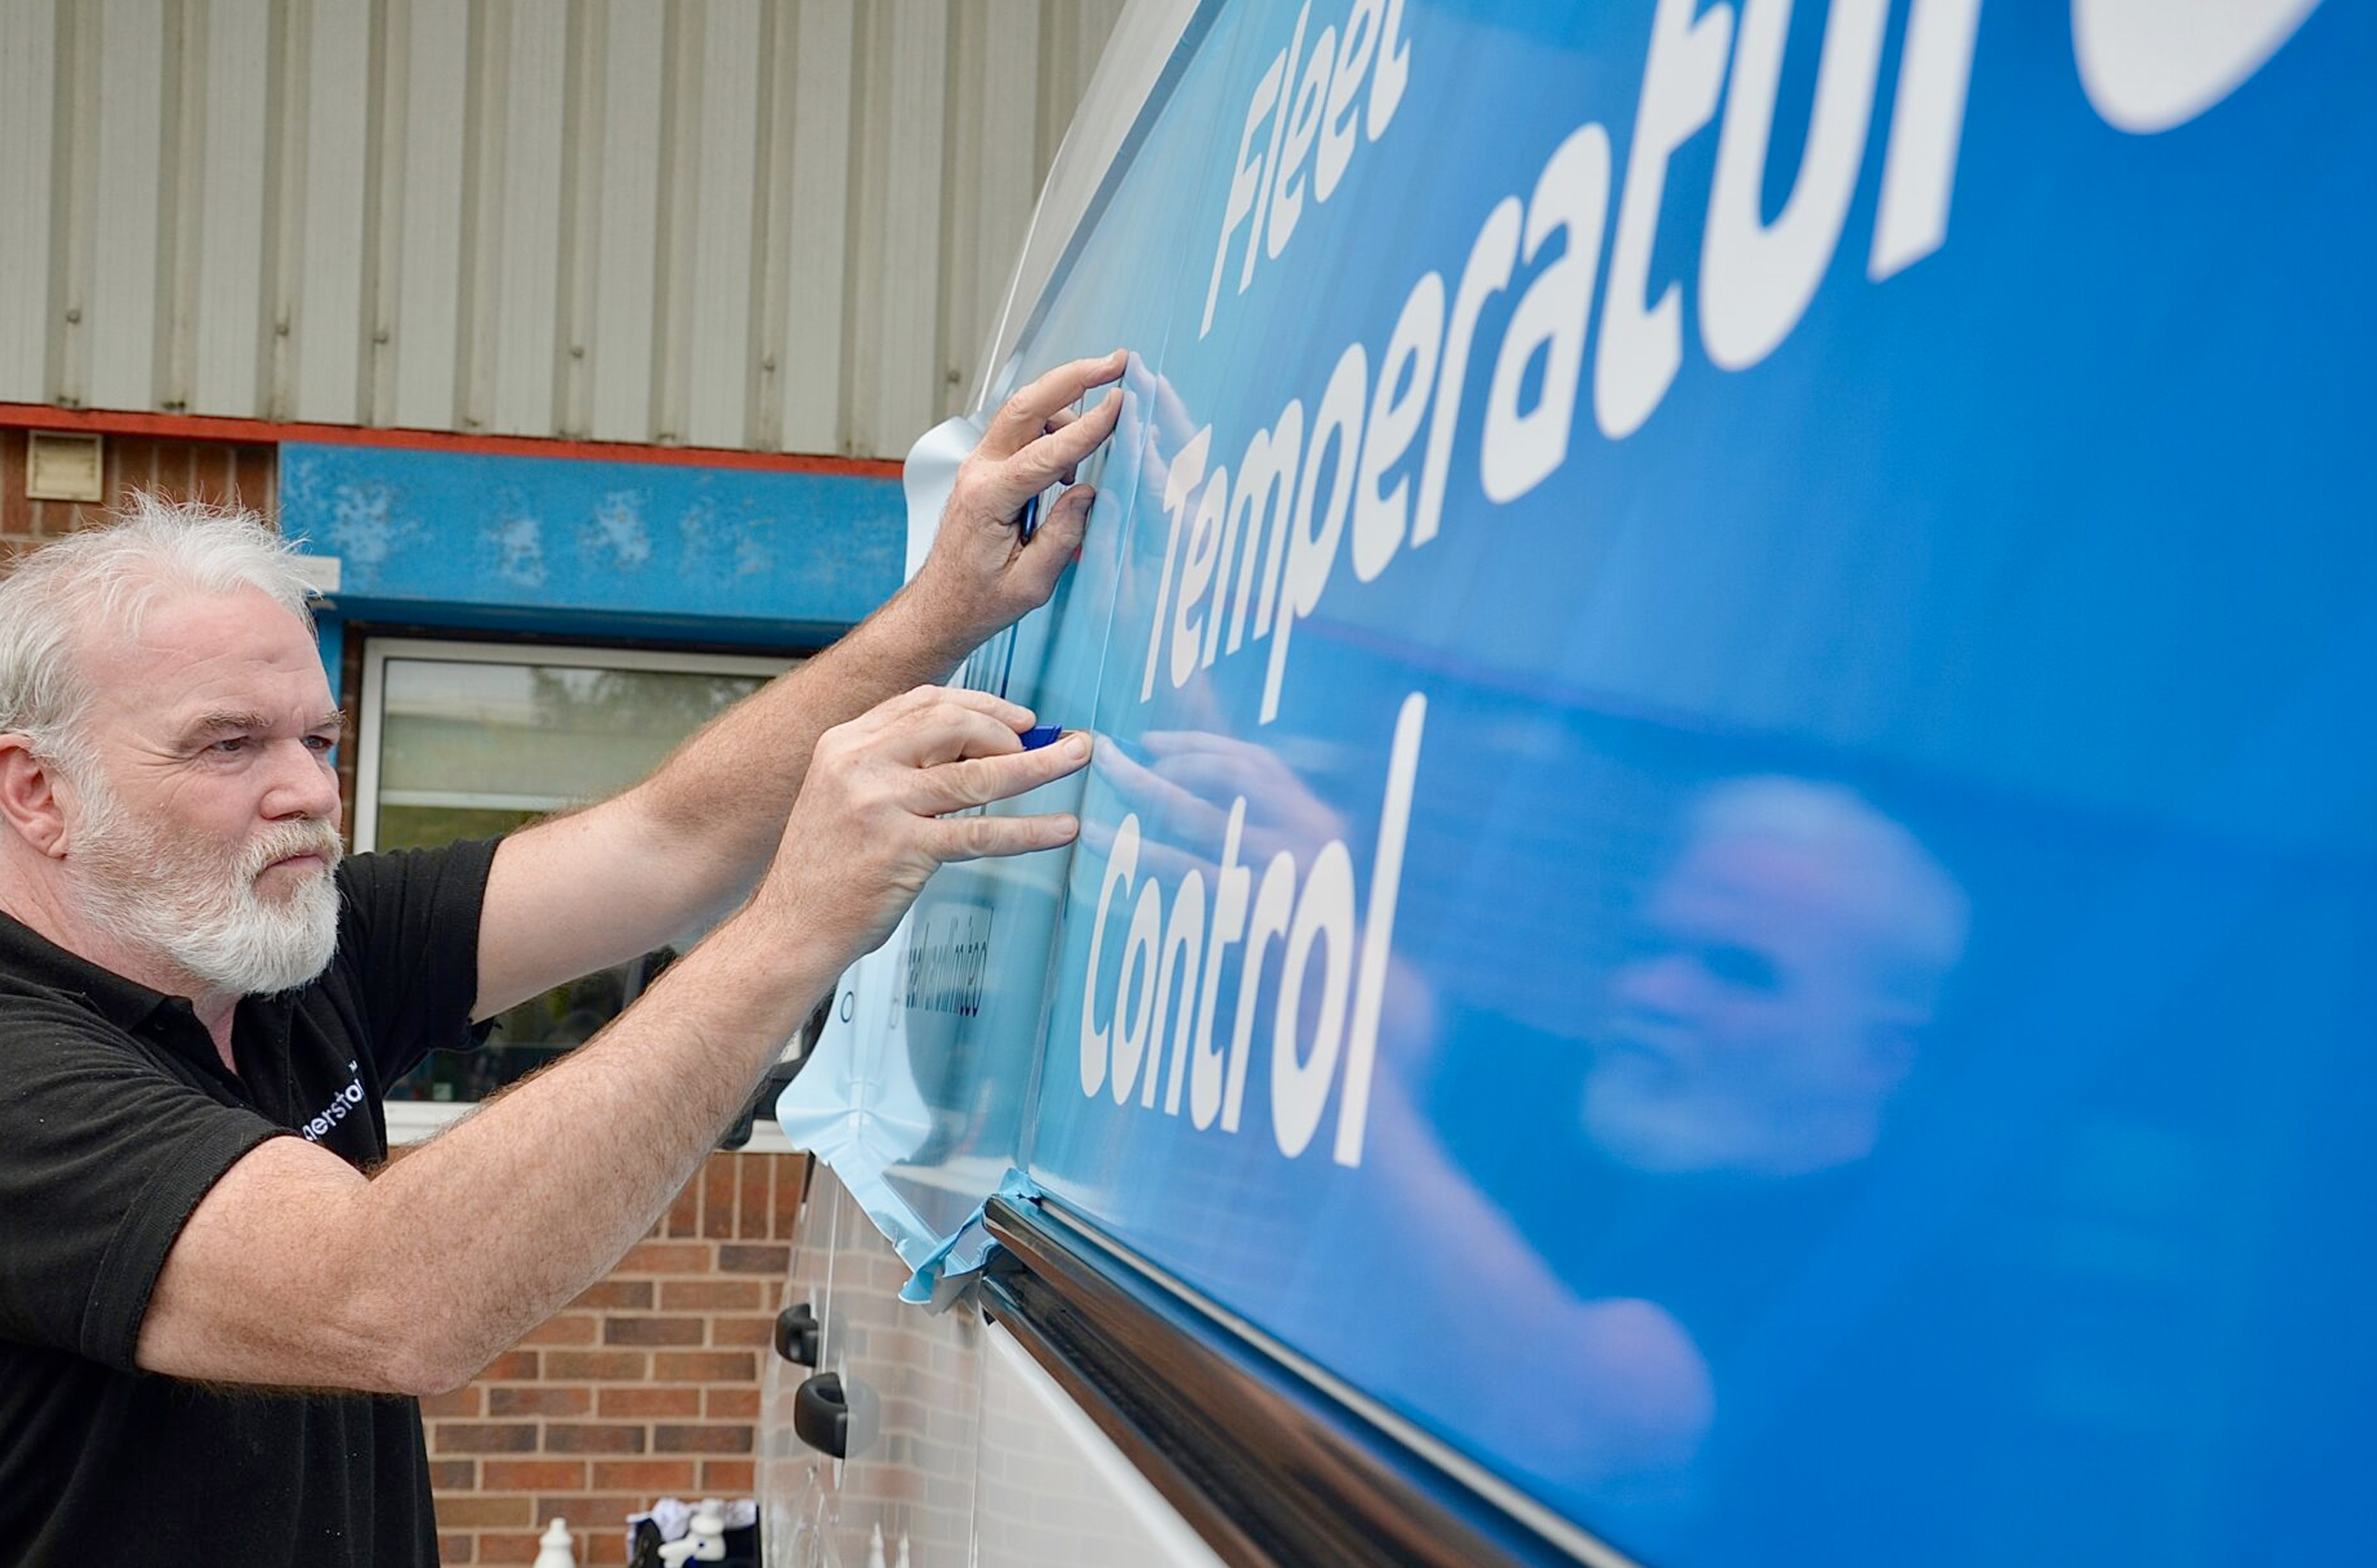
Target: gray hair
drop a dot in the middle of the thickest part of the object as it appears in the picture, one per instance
(1914, 916)
(104, 581)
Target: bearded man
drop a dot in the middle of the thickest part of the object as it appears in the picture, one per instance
(217, 1303)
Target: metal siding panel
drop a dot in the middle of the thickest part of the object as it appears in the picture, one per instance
(720, 337)
(866, 285)
(773, 232)
(28, 102)
(1073, 40)
(873, 163)
(531, 95)
(184, 202)
(674, 271)
(482, 212)
(425, 157)
(284, 205)
(76, 160)
(327, 321)
(898, 368)
(816, 307)
(122, 308)
(962, 197)
(1055, 31)
(226, 209)
(1011, 170)
(992, 187)
(580, 206)
(626, 190)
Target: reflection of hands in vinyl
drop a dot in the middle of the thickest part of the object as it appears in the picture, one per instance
(1169, 433)
(1187, 788)
(1638, 1408)
(1608, 1392)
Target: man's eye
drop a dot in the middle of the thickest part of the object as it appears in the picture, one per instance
(321, 746)
(1740, 967)
(229, 744)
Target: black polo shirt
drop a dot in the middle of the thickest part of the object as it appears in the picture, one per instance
(115, 1118)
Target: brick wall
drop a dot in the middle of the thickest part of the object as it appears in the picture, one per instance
(647, 1386)
(215, 472)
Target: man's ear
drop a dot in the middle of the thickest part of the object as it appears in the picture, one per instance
(29, 802)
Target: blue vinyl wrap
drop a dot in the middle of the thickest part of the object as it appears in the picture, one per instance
(1869, 1054)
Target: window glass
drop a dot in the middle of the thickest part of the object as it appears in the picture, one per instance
(465, 741)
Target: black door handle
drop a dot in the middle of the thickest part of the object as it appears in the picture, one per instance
(797, 1331)
(821, 1417)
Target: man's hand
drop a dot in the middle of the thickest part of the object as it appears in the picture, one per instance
(874, 820)
(982, 575)
(600, 885)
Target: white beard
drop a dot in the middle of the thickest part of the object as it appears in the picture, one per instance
(196, 906)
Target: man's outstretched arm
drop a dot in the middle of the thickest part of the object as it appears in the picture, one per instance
(600, 885)
(295, 1270)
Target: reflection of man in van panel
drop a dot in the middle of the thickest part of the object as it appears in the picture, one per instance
(1731, 1077)
(1785, 967)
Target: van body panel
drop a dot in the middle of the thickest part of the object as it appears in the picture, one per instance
(1733, 834)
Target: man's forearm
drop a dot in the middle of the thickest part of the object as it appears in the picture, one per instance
(722, 797)
(293, 1270)
(692, 839)
(594, 1148)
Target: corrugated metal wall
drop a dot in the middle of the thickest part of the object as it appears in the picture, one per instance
(774, 224)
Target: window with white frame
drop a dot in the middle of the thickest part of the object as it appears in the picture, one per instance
(471, 740)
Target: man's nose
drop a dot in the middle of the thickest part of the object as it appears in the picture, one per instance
(304, 784)
(1662, 982)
